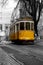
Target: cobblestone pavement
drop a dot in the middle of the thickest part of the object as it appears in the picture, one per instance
(29, 55)
(5, 59)
(27, 58)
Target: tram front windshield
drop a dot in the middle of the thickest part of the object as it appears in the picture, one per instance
(22, 26)
(26, 26)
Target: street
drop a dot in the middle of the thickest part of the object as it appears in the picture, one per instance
(21, 32)
(24, 54)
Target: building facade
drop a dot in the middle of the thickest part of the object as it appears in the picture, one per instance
(4, 31)
(6, 9)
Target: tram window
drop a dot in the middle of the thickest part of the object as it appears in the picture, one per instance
(32, 26)
(17, 26)
(22, 26)
(27, 26)
(14, 28)
(10, 29)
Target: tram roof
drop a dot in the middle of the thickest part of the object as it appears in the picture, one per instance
(25, 19)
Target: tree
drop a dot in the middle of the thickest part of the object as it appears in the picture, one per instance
(34, 8)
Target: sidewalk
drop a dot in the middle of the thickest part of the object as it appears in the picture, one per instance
(6, 60)
(39, 42)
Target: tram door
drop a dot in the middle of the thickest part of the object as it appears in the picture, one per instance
(17, 25)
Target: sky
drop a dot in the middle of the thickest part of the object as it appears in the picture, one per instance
(6, 10)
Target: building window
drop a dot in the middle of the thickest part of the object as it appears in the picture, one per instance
(6, 27)
(1, 27)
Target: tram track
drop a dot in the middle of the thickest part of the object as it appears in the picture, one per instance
(10, 55)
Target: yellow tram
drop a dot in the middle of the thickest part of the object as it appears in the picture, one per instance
(22, 30)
